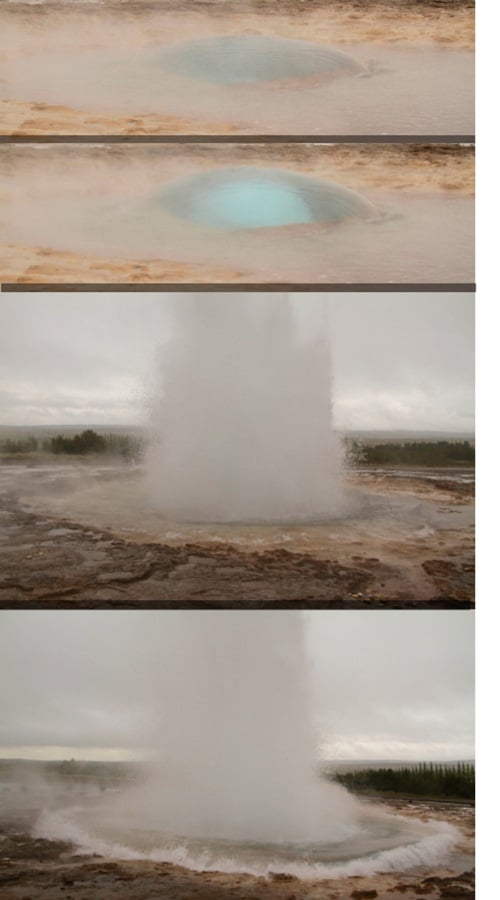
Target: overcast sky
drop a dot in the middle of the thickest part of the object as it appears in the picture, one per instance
(386, 684)
(401, 361)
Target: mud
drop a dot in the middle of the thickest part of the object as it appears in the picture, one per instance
(54, 560)
(42, 870)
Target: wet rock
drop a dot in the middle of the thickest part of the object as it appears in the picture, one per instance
(85, 567)
(108, 577)
(454, 887)
(452, 579)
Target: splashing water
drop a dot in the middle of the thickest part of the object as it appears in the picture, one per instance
(242, 422)
(234, 785)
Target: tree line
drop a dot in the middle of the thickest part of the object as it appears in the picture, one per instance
(454, 781)
(86, 442)
(403, 453)
(414, 453)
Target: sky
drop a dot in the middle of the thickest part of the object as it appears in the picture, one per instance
(384, 684)
(400, 361)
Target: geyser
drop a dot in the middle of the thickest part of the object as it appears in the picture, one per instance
(235, 784)
(254, 197)
(236, 748)
(248, 59)
(242, 419)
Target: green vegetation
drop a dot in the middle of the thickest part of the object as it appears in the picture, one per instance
(90, 442)
(431, 780)
(83, 769)
(73, 770)
(28, 445)
(86, 442)
(413, 453)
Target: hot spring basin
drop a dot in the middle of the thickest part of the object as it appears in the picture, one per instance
(384, 843)
(247, 59)
(254, 197)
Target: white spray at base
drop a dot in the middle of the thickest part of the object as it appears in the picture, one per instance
(234, 786)
(425, 851)
(242, 420)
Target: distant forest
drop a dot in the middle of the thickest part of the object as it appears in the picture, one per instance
(358, 453)
(88, 441)
(413, 453)
(432, 780)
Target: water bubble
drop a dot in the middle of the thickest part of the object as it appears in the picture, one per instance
(242, 197)
(248, 59)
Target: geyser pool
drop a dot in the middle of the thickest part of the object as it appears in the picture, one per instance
(241, 424)
(234, 785)
(248, 59)
(241, 197)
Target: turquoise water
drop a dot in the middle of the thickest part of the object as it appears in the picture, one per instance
(248, 59)
(244, 205)
(254, 197)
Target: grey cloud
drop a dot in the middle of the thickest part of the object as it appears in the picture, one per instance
(395, 679)
(400, 360)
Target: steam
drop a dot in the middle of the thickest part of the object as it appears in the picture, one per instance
(242, 421)
(236, 748)
(234, 783)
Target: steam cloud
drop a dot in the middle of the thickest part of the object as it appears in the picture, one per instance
(242, 421)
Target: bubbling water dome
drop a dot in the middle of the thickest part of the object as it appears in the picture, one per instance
(241, 197)
(249, 59)
(242, 420)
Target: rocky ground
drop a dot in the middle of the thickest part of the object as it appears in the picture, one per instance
(36, 869)
(53, 561)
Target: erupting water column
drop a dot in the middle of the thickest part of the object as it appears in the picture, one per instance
(234, 783)
(237, 752)
(242, 421)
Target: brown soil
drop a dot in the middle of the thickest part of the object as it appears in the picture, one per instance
(21, 117)
(440, 22)
(34, 265)
(419, 167)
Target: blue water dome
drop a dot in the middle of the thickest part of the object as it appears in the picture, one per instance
(244, 197)
(247, 59)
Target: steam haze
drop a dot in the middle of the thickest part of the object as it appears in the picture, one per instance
(245, 432)
(400, 361)
(384, 684)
